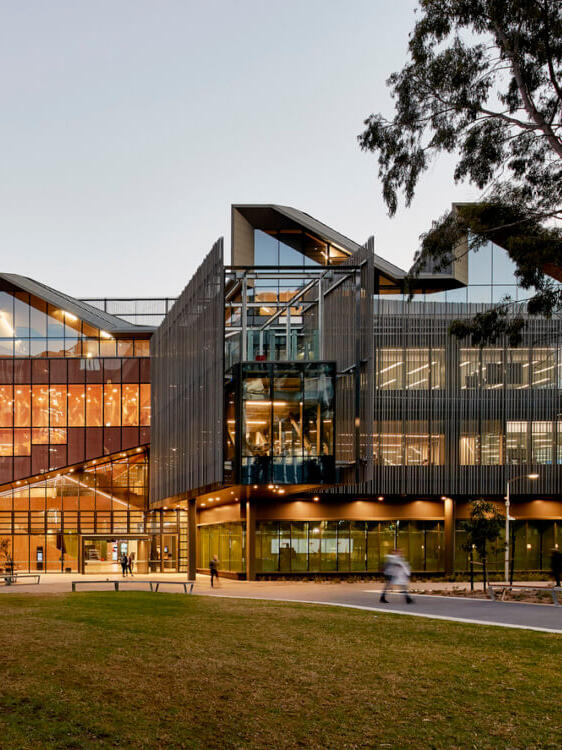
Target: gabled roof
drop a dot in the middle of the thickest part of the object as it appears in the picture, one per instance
(271, 216)
(89, 314)
(474, 214)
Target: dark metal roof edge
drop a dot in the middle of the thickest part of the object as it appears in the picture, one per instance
(315, 225)
(92, 315)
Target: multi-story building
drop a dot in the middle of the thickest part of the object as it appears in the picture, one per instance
(306, 414)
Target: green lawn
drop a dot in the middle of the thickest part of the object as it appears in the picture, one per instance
(138, 670)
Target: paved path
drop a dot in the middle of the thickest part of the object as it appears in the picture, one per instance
(542, 617)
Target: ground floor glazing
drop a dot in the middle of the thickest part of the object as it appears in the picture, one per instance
(301, 547)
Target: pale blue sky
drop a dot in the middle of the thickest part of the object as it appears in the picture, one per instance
(129, 127)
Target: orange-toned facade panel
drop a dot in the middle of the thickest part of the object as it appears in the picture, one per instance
(54, 413)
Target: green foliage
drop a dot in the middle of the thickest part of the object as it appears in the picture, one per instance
(483, 80)
(484, 525)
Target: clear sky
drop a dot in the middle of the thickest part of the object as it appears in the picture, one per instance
(128, 128)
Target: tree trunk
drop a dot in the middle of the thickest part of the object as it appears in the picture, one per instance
(484, 573)
(471, 569)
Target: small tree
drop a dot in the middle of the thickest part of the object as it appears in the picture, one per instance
(484, 525)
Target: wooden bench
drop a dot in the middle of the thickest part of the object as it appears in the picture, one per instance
(503, 588)
(154, 585)
(10, 578)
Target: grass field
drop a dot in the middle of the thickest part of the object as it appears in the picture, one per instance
(135, 670)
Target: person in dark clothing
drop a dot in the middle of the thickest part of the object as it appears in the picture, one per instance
(130, 563)
(214, 569)
(556, 564)
(124, 562)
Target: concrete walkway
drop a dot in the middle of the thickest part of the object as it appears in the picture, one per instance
(365, 595)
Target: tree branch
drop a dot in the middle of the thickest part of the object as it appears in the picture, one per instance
(532, 111)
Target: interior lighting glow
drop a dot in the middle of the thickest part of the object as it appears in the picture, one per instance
(266, 403)
(69, 315)
(419, 369)
(423, 380)
(386, 369)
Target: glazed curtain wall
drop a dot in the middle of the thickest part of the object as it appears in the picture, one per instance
(425, 368)
(29, 327)
(283, 429)
(534, 541)
(346, 546)
(107, 498)
(56, 412)
(225, 540)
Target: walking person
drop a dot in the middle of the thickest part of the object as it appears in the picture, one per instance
(214, 569)
(124, 562)
(130, 562)
(396, 573)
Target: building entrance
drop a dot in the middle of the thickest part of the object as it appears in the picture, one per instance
(101, 554)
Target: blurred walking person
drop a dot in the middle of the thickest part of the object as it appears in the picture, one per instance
(396, 573)
(214, 569)
(130, 562)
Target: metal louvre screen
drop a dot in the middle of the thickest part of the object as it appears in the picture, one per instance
(451, 419)
(187, 352)
(348, 340)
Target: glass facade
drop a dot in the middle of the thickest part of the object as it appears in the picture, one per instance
(346, 546)
(69, 392)
(280, 423)
(225, 540)
(408, 444)
(407, 368)
(516, 369)
(76, 521)
(534, 541)
(294, 247)
(518, 442)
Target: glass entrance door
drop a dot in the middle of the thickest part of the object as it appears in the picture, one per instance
(101, 555)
